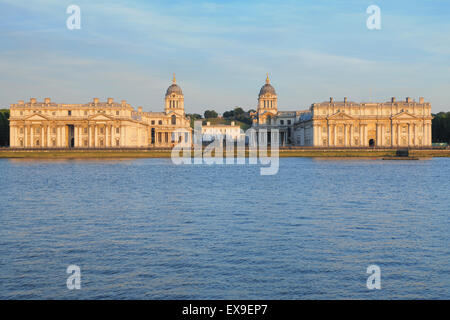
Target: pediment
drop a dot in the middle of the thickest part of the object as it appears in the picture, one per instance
(403, 115)
(340, 116)
(36, 117)
(100, 117)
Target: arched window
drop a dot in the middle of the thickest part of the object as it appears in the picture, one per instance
(174, 120)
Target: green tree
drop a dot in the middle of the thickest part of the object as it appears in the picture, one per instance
(4, 127)
(210, 114)
(441, 127)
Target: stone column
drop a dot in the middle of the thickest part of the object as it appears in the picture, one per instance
(399, 140)
(365, 135)
(430, 137)
(392, 135)
(42, 144)
(345, 135)
(351, 136)
(48, 136)
(378, 134)
(106, 136)
(361, 138)
(95, 136)
(334, 135)
(63, 136)
(75, 136)
(328, 134)
(31, 137)
(25, 137)
(409, 134)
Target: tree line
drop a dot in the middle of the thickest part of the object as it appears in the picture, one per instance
(4, 127)
(441, 127)
(237, 114)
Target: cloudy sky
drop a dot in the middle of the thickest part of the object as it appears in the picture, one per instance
(222, 50)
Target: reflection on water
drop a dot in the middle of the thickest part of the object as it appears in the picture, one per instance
(148, 229)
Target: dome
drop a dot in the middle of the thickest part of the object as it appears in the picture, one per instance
(267, 88)
(174, 88)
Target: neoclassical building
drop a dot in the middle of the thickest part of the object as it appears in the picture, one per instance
(345, 123)
(99, 124)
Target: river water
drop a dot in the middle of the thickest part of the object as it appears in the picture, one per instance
(149, 229)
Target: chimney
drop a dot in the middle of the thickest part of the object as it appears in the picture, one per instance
(421, 100)
(110, 100)
(393, 99)
(331, 99)
(95, 101)
(47, 100)
(32, 100)
(139, 109)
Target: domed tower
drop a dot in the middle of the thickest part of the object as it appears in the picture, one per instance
(267, 100)
(174, 99)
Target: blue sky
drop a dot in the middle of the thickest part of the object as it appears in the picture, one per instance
(222, 50)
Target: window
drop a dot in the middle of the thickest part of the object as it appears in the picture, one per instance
(166, 137)
(101, 131)
(53, 143)
(21, 143)
(281, 122)
(53, 113)
(85, 113)
(117, 130)
(160, 122)
(289, 122)
(153, 122)
(85, 130)
(85, 143)
(324, 129)
(117, 143)
(38, 130)
(340, 129)
(174, 120)
(117, 113)
(54, 130)
(69, 112)
(21, 130)
(21, 113)
(37, 143)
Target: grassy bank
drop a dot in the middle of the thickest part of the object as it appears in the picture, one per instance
(78, 154)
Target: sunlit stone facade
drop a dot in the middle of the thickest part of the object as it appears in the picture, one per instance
(346, 124)
(99, 124)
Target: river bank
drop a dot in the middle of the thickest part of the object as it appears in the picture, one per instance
(166, 153)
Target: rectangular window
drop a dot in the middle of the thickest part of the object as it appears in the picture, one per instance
(69, 112)
(117, 130)
(153, 121)
(289, 122)
(166, 137)
(281, 121)
(86, 130)
(117, 113)
(85, 143)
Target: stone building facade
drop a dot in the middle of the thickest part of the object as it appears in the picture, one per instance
(346, 124)
(99, 124)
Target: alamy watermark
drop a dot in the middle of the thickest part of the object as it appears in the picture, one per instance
(74, 280)
(254, 142)
(74, 20)
(374, 20)
(374, 280)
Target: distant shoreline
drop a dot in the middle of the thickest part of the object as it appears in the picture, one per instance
(166, 153)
